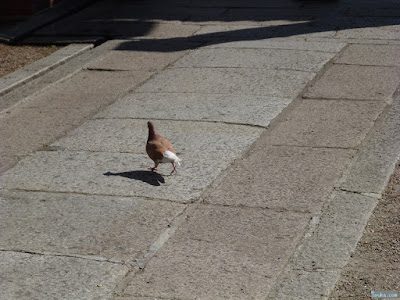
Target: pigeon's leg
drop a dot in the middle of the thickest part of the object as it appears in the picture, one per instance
(174, 170)
(154, 168)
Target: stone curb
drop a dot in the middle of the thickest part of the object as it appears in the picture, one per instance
(40, 67)
(333, 235)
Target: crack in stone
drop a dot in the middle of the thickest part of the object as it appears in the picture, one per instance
(87, 257)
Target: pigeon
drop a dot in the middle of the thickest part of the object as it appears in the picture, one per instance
(160, 149)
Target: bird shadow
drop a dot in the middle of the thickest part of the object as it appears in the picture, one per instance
(150, 177)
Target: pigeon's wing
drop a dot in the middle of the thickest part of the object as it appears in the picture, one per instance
(155, 150)
(166, 144)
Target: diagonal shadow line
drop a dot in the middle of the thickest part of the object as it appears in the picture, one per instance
(150, 177)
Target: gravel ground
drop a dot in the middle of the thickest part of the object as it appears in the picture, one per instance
(15, 57)
(375, 265)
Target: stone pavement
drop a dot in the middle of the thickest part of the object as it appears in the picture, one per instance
(285, 114)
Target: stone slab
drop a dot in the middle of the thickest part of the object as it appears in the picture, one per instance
(282, 43)
(373, 55)
(255, 58)
(135, 60)
(200, 139)
(24, 130)
(356, 82)
(35, 277)
(109, 27)
(276, 83)
(119, 174)
(246, 32)
(353, 41)
(305, 285)
(380, 33)
(326, 249)
(117, 229)
(370, 171)
(281, 177)
(87, 88)
(241, 109)
(239, 252)
(327, 123)
(337, 233)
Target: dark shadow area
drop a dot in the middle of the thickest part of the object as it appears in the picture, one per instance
(150, 177)
(173, 25)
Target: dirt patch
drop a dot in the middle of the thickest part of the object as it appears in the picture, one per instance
(15, 57)
(375, 265)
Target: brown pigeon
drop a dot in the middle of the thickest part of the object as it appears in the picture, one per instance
(160, 149)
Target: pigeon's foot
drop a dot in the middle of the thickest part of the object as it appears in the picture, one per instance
(174, 170)
(153, 169)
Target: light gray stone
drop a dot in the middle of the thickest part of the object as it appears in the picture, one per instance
(371, 32)
(283, 43)
(246, 32)
(25, 130)
(304, 285)
(327, 123)
(113, 228)
(221, 252)
(255, 58)
(205, 140)
(120, 174)
(370, 171)
(93, 89)
(340, 227)
(49, 114)
(36, 277)
(241, 109)
(277, 83)
(281, 177)
(135, 60)
(373, 55)
(356, 82)
(353, 41)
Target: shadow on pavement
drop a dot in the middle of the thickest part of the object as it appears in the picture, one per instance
(150, 177)
(127, 19)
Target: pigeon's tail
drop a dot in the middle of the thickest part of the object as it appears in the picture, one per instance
(171, 157)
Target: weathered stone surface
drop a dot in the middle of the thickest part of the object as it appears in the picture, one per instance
(356, 82)
(222, 252)
(200, 139)
(120, 174)
(305, 285)
(277, 83)
(246, 32)
(370, 171)
(242, 109)
(371, 32)
(255, 58)
(35, 277)
(24, 130)
(373, 55)
(282, 43)
(343, 221)
(114, 228)
(327, 123)
(135, 60)
(293, 178)
(93, 89)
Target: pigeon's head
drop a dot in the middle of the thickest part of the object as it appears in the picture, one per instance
(150, 124)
